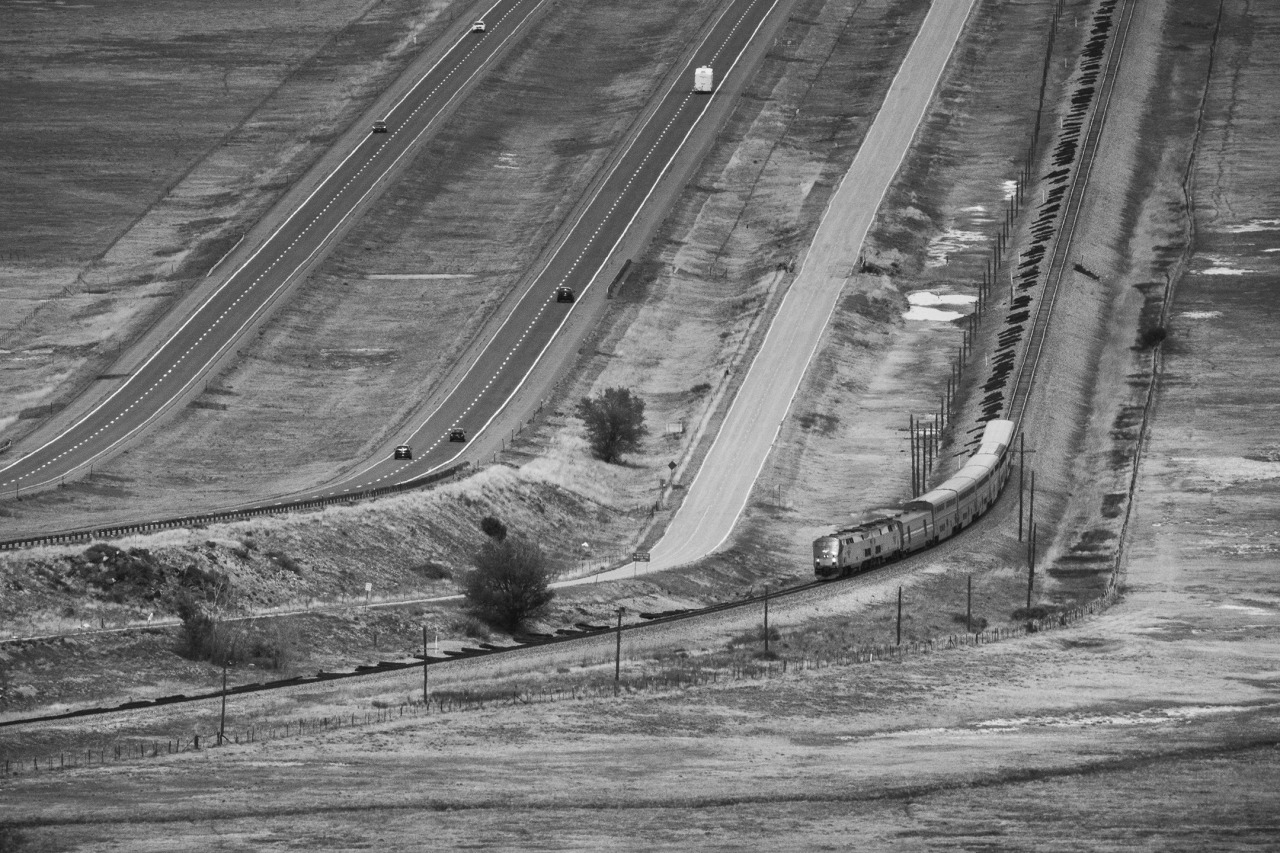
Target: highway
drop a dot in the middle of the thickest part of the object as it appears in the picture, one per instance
(191, 353)
(719, 492)
(526, 333)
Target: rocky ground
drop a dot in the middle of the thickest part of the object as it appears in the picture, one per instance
(1168, 697)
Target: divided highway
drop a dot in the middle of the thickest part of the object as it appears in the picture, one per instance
(188, 356)
(525, 335)
(603, 222)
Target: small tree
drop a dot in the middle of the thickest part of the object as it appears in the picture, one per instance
(615, 423)
(510, 583)
(493, 528)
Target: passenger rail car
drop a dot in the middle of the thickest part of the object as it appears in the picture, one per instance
(926, 520)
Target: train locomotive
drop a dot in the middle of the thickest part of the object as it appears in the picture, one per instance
(926, 520)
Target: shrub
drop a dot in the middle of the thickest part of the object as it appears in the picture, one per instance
(1149, 338)
(493, 528)
(284, 561)
(614, 421)
(755, 636)
(275, 645)
(473, 627)
(510, 583)
(1035, 612)
(204, 637)
(432, 571)
(207, 584)
(122, 576)
(700, 388)
(978, 623)
(201, 598)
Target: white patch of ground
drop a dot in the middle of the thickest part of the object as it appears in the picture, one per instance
(951, 240)
(1222, 266)
(1224, 472)
(1254, 225)
(1145, 717)
(923, 306)
(1200, 315)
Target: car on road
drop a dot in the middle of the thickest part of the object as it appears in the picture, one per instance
(564, 294)
(379, 127)
(477, 27)
(456, 434)
(404, 451)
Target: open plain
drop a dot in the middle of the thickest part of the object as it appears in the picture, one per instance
(1152, 725)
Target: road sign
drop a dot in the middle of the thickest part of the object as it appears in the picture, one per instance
(640, 557)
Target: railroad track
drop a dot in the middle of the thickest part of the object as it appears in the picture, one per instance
(1061, 246)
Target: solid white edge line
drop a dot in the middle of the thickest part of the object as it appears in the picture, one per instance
(198, 375)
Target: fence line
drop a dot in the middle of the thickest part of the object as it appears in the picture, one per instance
(683, 676)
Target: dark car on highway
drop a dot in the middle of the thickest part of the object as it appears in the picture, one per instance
(404, 451)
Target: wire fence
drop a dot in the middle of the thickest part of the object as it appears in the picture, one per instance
(684, 675)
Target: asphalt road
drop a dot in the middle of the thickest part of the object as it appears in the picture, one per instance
(189, 355)
(719, 492)
(525, 335)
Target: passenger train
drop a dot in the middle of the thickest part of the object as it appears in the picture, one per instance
(926, 520)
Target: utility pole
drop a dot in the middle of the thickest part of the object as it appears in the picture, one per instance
(968, 607)
(222, 723)
(766, 619)
(617, 659)
(927, 468)
(1022, 450)
(1031, 575)
(425, 700)
(1022, 465)
(1031, 515)
(915, 473)
(899, 642)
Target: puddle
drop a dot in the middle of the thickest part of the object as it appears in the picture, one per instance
(1222, 266)
(951, 240)
(924, 306)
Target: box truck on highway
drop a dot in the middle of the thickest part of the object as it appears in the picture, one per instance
(703, 80)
